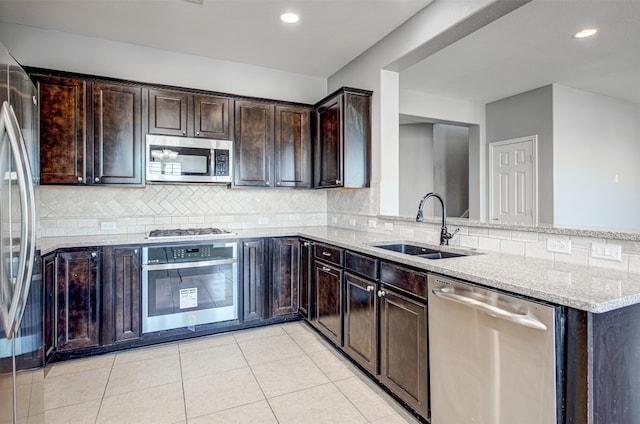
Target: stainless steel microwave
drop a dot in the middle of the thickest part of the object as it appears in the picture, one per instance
(185, 160)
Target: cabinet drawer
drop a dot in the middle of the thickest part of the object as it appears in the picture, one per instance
(404, 279)
(328, 253)
(360, 264)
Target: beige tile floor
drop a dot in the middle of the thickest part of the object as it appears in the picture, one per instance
(277, 374)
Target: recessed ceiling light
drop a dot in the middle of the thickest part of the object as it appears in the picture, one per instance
(290, 18)
(585, 33)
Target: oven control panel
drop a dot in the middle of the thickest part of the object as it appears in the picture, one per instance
(189, 253)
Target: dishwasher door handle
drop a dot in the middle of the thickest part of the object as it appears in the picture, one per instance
(525, 320)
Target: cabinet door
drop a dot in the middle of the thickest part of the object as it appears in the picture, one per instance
(284, 276)
(360, 323)
(403, 348)
(329, 149)
(168, 112)
(121, 299)
(253, 145)
(49, 282)
(77, 299)
(253, 279)
(328, 300)
(304, 306)
(211, 116)
(63, 137)
(292, 148)
(117, 136)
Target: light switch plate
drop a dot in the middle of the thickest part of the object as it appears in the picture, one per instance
(610, 252)
(352, 222)
(559, 245)
(373, 223)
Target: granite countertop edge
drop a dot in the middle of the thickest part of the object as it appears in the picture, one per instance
(584, 288)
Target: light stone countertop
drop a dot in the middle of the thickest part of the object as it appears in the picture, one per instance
(589, 289)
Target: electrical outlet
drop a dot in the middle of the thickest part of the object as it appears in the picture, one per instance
(334, 219)
(559, 245)
(610, 252)
(373, 223)
(352, 222)
(108, 226)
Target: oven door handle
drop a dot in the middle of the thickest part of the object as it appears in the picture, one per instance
(182, 265)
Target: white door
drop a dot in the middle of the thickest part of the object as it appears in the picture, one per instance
(513, 179)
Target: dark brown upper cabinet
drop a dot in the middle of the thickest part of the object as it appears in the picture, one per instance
(90, 131)
(117, 134)
(343, 139)
(63, 130)
(272, 146)
(292, 148)
(180, 113)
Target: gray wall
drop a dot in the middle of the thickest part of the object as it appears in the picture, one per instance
(416, 166)
(525, 114)
(452, 177)
(596, 160)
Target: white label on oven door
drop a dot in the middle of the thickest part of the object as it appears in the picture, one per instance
(189, 298)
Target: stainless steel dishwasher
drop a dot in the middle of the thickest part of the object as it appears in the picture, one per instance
(492, 356)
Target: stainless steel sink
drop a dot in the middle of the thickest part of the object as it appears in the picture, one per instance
(419, 251)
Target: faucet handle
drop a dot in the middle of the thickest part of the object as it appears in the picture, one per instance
(447, 236)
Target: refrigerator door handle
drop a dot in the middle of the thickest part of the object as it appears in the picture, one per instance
(14, 298)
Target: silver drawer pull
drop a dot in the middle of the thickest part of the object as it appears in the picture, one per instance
(370, 288)
(326, 269)
(382, 293)
(326, 254)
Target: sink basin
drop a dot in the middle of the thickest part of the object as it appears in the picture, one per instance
(419, 251)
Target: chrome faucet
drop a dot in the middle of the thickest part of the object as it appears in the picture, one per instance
(445, 236)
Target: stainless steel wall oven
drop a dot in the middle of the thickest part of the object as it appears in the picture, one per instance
(188, 285)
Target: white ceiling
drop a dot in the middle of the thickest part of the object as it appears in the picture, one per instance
(533, 46)
(329, 34)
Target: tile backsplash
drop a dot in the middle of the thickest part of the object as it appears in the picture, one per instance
(68, 211)
(79, 211)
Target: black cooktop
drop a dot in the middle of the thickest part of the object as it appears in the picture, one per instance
(186, 232)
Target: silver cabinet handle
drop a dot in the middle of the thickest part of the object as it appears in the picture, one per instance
(97, 179)
(306, 243)
(197, 132)
(525, 320)
(326, 254)
(326, 269)
(80, 179)
(338, 181)
(184, 133)
(181, 265)
(94, 254)
(382, 293)
(370, 288)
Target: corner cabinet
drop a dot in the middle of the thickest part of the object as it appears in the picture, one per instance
(90, 131)
(272, 146)
(343, 139)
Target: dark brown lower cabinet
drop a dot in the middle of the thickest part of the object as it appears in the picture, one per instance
(328, 301)
(121, 294)
(284, 275)
(253, 278)
(49, 315)
(77, 285)
(305, 279)
(360, 321)
(403, 348)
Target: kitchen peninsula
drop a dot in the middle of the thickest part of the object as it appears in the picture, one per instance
(599, 308)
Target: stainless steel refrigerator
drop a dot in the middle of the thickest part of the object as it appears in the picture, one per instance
(21, 306)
